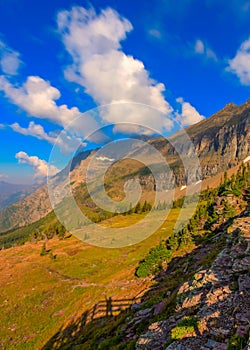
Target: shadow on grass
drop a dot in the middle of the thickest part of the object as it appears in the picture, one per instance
(102, 314)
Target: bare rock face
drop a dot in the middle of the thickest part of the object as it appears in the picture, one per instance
(214, 307)
(229, 144)
(221, 142)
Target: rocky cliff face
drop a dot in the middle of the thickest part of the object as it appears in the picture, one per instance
(221, 142)
(231, 143)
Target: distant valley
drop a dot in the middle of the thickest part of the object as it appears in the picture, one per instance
(11, 193)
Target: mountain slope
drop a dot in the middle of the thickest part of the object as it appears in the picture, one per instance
(53, 291)
(212, 309)
(200, 296)
(39, 294)
(11, 193)
(221, 142)
(37, 204)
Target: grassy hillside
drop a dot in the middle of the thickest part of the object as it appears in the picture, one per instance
(46, 286)
(167, 314)
(39, 293)
(49, 224)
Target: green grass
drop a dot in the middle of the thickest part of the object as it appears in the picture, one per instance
(40, 295)
(33, 287)
(237, 342)
(22, 234)
(185, 328)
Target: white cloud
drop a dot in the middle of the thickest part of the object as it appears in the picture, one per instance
(103, 159)
(240, 64)
(33, 129)
(3, 176)
(189, 115)
(40, 166)
(37, 97)
(155, 33)
(201, 49)
(132, 118)
(9, 59)
(65, 142)
(85, 34)
(102, 68)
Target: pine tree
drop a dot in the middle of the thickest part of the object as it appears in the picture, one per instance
(228, 210)
(138, 208)
(43, 250)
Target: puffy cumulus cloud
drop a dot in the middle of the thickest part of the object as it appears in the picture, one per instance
(189, 115)
(40, 166)
(65, 142)
(102, 68)
(240, 64)
(38, 98)
(9, 59)
(136, 118)
(85, 34)
(201, 49)
(33, 129)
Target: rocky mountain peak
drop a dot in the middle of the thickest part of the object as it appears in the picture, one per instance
(247, 103)
(230, 107)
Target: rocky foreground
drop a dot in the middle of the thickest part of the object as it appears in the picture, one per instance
(213, 309)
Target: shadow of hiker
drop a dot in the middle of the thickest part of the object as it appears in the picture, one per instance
(65, 335)
(109, 307)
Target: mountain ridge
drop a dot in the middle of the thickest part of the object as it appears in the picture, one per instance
(221, 142)
(11, 192)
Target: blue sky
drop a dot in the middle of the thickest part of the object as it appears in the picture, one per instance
(58, 59)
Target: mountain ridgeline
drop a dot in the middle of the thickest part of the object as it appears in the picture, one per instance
(221, 142)
(11, 193)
